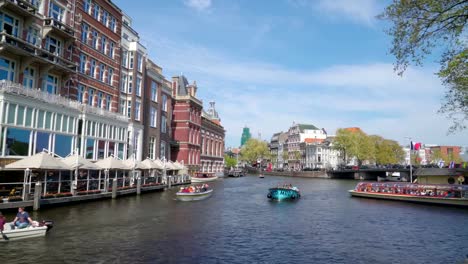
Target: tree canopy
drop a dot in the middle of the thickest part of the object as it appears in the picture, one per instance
(373, 148)
(253, 150)
(421, 27)
(229, 161)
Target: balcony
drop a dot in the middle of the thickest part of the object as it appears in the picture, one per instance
(25, 8)
(54, 26)
(14, 45)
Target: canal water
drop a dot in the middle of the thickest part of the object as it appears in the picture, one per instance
(238, 224)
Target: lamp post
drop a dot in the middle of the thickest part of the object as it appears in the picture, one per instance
(411, 166)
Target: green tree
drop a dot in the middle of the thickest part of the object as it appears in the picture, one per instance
(345, 142)
(387, 151)
(253, 150)
(229, 161)
(420, 27)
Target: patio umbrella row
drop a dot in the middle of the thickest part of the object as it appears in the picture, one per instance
(45, 161)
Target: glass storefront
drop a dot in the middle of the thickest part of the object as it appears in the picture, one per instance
(63, 145)
(17, 142)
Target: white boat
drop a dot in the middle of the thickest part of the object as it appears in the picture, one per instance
(261, 176)
(195, 196)
(23, 233)
(203, 177)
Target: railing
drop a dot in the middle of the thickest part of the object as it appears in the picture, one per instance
(16, 88)
(59, 25)
(36, 51)
(28, 5)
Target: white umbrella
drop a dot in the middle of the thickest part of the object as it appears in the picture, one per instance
(77, 161)
(170, 165)
(147, 164)
(42, 161)
(178, 166)
(111, 163)
(159, 164)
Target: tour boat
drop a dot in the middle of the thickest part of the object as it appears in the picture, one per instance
(283, 193)
(235, 173)
(28, 232)
(444, 194)
(203, 177)
(193, 196)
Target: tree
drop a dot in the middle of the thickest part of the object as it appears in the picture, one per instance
(387, 151)
(345, 143)
(420, 27)
(229, 161)
(285, 156)
(253, 150)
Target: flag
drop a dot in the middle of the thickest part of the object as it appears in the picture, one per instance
(452, 165)
(415, 145)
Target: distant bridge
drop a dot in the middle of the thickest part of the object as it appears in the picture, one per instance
(366, 174)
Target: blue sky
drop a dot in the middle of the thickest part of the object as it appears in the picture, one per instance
(268, 64)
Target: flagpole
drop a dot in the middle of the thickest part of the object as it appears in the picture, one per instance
(410, 166)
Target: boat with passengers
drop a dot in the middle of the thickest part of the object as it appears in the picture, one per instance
(36, 229)
(444, 194)
(200, 177)
(285, 192)
(194, 193)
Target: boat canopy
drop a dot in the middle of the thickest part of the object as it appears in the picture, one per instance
(399, 185)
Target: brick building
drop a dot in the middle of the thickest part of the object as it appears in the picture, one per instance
(157, 113)
(186, 123)
(212, 141)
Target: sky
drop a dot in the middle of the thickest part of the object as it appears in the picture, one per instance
(268, 64)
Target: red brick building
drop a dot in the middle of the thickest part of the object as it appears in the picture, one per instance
(186, 123)
(212, 141)
(447, 153)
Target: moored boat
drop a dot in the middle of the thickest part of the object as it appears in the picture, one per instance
(194, 193)
(443, 194)
(203, 177)
(36, 230)
(284, 193)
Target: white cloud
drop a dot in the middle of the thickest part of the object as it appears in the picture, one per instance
(199, 5)
(269, 97)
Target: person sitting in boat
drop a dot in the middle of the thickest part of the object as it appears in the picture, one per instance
(22, 219)
(2, 221)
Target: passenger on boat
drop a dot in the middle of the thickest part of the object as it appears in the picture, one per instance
(2, 221)
(22, 219)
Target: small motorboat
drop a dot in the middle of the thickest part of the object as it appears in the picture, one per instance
(203, 177)
(34, 230)
(194, 193)
(261, 176)
(284, 193)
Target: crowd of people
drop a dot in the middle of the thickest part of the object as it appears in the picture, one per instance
(195, 189)
(288, 186)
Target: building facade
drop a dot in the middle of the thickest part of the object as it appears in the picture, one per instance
(297, 135)
(245, 136)
(186, 124)
(157, 113)
(212, 141)
(321, 155)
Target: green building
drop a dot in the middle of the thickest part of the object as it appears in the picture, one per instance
(245, 135)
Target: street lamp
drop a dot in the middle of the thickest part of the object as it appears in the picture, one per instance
(411, 166)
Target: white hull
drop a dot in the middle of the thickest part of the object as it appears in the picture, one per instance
(186, 197)
(23, 233)
(207, 179)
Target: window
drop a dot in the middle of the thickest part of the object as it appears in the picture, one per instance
(80, 93)
(111, 49)
(138, 86)
(122, 106)
(129, 109)
(108, 102)
(51, 84)
(164, 103)
(152, 142)
(87, 6)
(95, 39)
(97, 8)
(163, 124)
(54, 45)
(163, 150)
(102, 69)
(137, 110)
(90, 96)
(82, 63)
(33, 36)
(93, 68)
(104, 17)
(84, 33)
(123, 83)
(55, 11)
(130, 84)
(17, 142)
(130, 66)
(113, 24)
(153, 117)
(154, 91)
(100, 97)
(140, 62)
(29, 77)
(110, 76)
(124, 58)
(9, 24)
(103, 44)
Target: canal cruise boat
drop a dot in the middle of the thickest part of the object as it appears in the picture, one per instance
(203, 177)
(443, 194)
